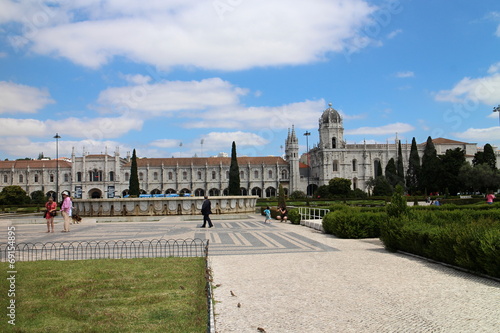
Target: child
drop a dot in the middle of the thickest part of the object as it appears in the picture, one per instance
(267, 211)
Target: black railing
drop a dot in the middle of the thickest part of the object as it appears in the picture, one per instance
(114, 249)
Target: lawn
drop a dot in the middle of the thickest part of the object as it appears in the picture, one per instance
(107, 295)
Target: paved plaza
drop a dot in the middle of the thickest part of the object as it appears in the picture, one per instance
(289, 278)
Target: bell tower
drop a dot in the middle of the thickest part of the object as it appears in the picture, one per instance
(292, 157)
(331, 129)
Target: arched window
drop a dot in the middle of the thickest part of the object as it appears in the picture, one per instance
(170, 176)
(5, 178)
(184, 175)
(354, 165)
(51, 178)
(334, 142)
(111, 176)
(127, 176)
(354, 183)
(36, 179)
(214, 175)
(256, 174)
(66, 177)
(155, 176)
(21, 178)
(141, 176)
(199, 175)
(78, 176)
(242, 175)
(335, 166)
(270, 174)
(284, 174)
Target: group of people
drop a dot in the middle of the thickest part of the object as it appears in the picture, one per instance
(66, 212)
(282, 211)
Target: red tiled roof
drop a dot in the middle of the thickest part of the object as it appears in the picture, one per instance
(443, 141)
(200, 161)
(34, 164)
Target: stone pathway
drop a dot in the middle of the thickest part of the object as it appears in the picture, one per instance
(290, 278)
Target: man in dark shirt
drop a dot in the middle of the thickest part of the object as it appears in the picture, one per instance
(206, 210)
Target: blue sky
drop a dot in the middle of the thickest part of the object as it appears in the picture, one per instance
(151, 75)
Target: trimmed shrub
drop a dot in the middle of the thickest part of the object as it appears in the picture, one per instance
(352, 223)
(294, 216)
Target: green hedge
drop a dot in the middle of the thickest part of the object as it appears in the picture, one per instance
(353, 223)
(466, 238)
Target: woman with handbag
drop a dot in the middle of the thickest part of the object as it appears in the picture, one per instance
(50, 212)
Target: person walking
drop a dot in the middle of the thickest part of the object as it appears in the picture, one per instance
(50, 212)
(489, 198)
(267, 212)
(206, 210)
(66, 210)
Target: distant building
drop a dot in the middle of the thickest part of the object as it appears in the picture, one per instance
(107, 176)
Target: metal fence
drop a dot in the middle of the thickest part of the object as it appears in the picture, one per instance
(114, 249)
(308, 213)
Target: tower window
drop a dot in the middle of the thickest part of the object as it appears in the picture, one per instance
(334, 143)
(354, 165)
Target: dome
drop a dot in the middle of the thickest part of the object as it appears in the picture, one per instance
(330, 115)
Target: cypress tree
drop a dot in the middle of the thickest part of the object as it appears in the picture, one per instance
(431, 168)
(281, 196)
(378, 169)
(391, 172)
(234, 174)
(399, 165)
(133, 188)
(413, 172)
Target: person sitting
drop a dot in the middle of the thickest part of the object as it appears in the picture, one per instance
(283, 214)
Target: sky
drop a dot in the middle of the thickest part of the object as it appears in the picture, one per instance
(183, 78)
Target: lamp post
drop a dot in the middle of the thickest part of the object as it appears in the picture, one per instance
(57, 137)
(308, 166)
(497, 109)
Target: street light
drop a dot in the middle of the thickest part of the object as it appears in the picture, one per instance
(308, 166)
(57, 137)
(497, 109)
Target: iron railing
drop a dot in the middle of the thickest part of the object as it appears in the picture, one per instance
(308, 213)
(111, 249)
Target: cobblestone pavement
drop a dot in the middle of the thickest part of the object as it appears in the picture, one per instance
(289, 278)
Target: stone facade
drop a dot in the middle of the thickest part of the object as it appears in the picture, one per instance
(107, 176)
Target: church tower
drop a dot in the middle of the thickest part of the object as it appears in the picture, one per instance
(292, 157)
(331, 129)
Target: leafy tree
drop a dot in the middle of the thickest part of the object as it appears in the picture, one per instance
(382, 187)
(13, 195)
(339, 186)
(479, 178)
(431, 168)
(451, 163)
(391, 172)
(414, 169)
(133, 188)
(323, 192)
(398, 205)
(297, 195)
(487, 156)
(38, 197)
(234, 173)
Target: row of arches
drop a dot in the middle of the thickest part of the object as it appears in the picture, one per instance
(199, 192)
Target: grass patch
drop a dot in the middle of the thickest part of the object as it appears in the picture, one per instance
(108, 295)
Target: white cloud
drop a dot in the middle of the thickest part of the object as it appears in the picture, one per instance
(197, 33)
(494, 68)
(92, 129)
(394, 33)
(18, 98)
(137, 78)
(382, 130)
(171, 96)
(480, 134)
(21, 127)
(301, 114)
(405, 74)
(165, 143)
(215, 140)
(483, 90)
